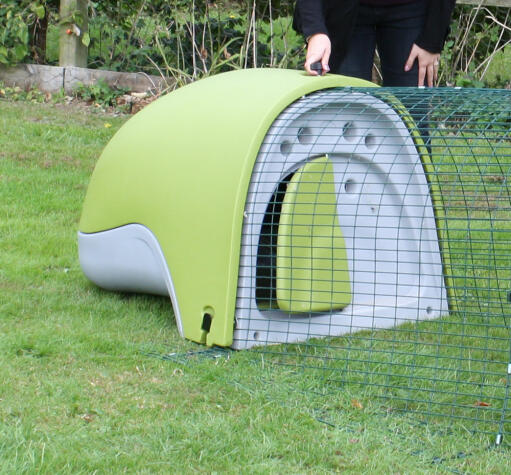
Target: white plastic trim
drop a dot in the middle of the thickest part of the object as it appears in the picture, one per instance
(128, 259)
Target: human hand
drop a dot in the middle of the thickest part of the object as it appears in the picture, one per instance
(428, 65)
(318, 49)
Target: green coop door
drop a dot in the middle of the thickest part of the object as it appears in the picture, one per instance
(312, 265)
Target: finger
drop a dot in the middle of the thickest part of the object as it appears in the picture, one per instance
(312, 57)
(422, 75)
(325, 60)
(310, 60)
(411, 59)
(430, 75)
(316, 58)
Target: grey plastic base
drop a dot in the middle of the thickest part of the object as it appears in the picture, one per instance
(127, 259)
(384, 209)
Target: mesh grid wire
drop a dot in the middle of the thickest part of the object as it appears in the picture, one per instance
(376, 249)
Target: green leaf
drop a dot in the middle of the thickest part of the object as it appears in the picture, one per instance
(40, 11)
(20, 51)
(86, 39)
(23, 34)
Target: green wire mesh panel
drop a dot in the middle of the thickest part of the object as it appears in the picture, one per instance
(376, 248)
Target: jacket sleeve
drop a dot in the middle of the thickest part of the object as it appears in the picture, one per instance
(436, 26)
(309, 17)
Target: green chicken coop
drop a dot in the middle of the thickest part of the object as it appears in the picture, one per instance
(271, 207)
(361, 233)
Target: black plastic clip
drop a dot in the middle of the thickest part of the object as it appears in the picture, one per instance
(318, 67)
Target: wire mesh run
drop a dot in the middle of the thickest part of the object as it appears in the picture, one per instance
(376, 248)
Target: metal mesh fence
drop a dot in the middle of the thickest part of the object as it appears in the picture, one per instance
(376, 249)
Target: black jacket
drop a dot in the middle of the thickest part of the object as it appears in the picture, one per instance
(336, 18)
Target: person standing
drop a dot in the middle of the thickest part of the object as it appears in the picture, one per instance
(343, 35)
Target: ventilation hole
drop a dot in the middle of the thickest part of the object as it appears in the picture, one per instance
(206, 322)
(429, 310)
(373, 209)
(349, 131)
(256, 336)
(305, 135)
(350, 186)
(370, 141)
(286, 147)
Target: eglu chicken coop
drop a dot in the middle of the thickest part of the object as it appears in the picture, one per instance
(368, 224)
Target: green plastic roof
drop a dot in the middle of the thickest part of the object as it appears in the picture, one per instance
(182, 167)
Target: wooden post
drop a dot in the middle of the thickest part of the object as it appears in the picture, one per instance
(74, 17)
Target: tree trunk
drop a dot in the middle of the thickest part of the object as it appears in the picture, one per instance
(73, 14)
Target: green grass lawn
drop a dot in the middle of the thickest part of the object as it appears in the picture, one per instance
(79, 392)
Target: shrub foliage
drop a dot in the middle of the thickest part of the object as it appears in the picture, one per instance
(187, 39)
